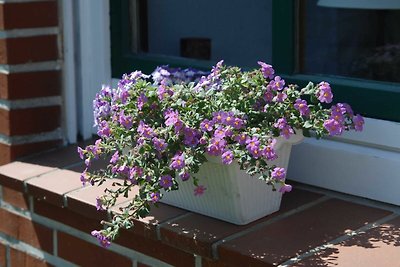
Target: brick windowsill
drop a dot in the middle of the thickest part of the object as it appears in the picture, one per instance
(321, 228)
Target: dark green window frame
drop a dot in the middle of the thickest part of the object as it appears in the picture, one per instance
(373, 99)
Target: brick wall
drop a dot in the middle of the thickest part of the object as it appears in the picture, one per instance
(30, 78)
(34, 232)
(46, 217)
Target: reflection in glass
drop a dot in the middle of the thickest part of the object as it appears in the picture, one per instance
(234, 30)
(355, 42)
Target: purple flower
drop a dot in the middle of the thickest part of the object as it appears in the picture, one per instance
(178, 161)
(114, 158)
(280, 123)
(178, 126)
(333, 127)
(218, 117)
(160, 73)
(269, 153)
(134, 173)
(302, 107)
(199, 190)
(216, 146)
(83, 177)
(124, 170)
(228, 119)
(184, 176)
(238, 123)
(159, 144)
(142, 99)
(253, 146)
(252, 143)
(191, 136)
(277, 83)
(339, 108)
(206, 125)
(95, 150)
(166, 181)
(99, 203)
(241, 138)
(280, 97)
(81, 152)
(227, 157)
(171, 117)
(285, 188)
(103, 240)
(125, 121)
(349, 110)
(324, 93)
(163, 91)
(104, 129)
(256, 152)
(278, 173)
(268, 96)
(286, 131)
(358, 121)
(123, 95)
(220, 132)
(155, 197)
(145, 130)
(267, 70)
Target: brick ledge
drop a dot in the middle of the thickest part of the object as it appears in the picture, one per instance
(310, 226)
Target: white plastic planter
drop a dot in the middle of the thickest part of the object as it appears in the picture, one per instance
(231, 194)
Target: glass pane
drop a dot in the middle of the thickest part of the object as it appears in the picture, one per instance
(234, 30)
(352, 38)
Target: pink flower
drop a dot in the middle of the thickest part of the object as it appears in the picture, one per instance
(227, 157)
(358, 122)
(285, 188)
(324, 94)
(199, 190)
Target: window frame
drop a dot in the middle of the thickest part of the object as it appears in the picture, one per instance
(374, 99)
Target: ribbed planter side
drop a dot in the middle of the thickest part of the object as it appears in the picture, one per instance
(231, 194)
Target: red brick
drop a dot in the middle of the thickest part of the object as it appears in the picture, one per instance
(30, 84)
(29, 120)
(19, 258)
(155, 249)
(28, 15)
(25, 230)
(14, 174)
(15, 198)
(84, 200)
(9, 153)
(28, 49)
(65, 216)
(52, 186)
(3, 255)
(275, 243)
(147, 226)
(379, 246)
(197, 233)
(142, 265)
(85, 254)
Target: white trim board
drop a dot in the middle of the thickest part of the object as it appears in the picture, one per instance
(94, 58)
(370, 171)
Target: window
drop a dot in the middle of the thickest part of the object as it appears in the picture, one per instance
(357, 50)
(189, 33)
(343, 46)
